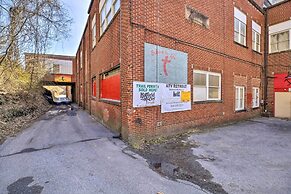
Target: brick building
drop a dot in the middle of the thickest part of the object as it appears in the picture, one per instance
(213, 50)
(279, 59)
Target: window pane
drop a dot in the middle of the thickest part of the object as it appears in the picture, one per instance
(108, 5)
(241, 105)
(241, 93)
(213, 93)
(274, 39)
(117, 5)
(103, 15)
(200, 93)
(109, 17)
(236, 25)
(254, 36)
(258, 47)
(258, 38)
(283, 46)
(274, 47)
(243, 28)
(243, 40)
(213, 80)
(103, 28)
(254, 45)
(236, 36)
(283, 36)
(199, 79)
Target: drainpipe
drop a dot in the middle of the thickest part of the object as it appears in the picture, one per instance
(266, 62)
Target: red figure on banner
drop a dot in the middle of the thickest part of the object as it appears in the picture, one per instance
(288, 78)
(166, 61)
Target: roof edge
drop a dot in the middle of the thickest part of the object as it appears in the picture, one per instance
(277, 4)
(90, 6)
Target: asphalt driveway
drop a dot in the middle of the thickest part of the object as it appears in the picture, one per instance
(66, 151)
(248, 157)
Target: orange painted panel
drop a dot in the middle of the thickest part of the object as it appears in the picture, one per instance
(110, 87)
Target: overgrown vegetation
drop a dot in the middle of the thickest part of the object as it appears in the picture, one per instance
(26, 26)
(18, 110)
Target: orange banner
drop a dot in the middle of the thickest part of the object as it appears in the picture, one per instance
(63, 78)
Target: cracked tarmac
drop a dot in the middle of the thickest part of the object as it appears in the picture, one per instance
(66, 151)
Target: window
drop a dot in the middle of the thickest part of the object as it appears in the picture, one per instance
(256, 97)
(240, 29)
(56, 69)
(81, 59)
(110, 85)
(280, 41)
(256, 37)
(94, 87)
(207, 86)
(108, 11)
(239, 98)
(94, 31)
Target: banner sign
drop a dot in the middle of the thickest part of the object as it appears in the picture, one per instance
(282, 82)
(176, 97)
(63, 78)
(164, 65)
(146, 94)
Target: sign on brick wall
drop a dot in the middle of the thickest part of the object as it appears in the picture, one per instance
(146, 94)
(164, 65)
(176, 97)
(63, 78)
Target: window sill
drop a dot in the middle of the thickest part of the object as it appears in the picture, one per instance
(278, 52)
(108, 101)
(208, 102)
(239, 111)
(239, 44)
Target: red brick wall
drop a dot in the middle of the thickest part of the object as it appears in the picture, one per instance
(277, 62)
(213, 49)
(104, 57)
(210, 49)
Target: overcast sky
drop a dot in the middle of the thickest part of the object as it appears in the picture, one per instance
(78, 10)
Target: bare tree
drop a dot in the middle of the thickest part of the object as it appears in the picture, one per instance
(29, 26)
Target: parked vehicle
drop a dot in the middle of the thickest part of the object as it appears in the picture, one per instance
(61, 99)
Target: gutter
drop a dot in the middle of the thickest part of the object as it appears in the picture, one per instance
(266, 62)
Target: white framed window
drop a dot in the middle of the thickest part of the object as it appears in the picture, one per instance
(280, 41)
(108, 10)
(256, 36)
(256, 97)
(240, 27)
(94, 31)
(239, 98)
(206, 86)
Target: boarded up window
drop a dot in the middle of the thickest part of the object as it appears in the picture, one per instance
(164, 65)
(110, 85)
(196, 17)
